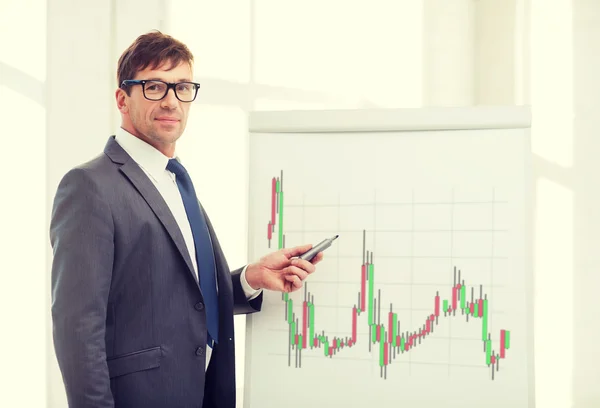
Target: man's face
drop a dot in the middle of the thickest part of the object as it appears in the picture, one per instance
(159, 123)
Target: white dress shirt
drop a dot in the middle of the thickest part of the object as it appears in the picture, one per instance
(154, 165)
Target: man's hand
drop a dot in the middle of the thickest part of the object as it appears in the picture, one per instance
(281, 271)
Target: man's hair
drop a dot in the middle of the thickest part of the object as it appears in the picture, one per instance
(151, 49)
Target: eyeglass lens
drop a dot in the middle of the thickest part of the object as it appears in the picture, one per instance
(156, 90)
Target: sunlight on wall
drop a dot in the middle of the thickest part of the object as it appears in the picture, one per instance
(369, 53)
(22, 303)
(218, 33)
(552, 80)
(553, 254)
(551, 97)
(449, 58)
(24, 47)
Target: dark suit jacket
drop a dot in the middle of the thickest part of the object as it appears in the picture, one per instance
(129, 324)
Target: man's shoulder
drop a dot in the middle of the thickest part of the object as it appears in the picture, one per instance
(107, 161)
(99, 170)
(94, 167)
(101, 173)
(97, 164)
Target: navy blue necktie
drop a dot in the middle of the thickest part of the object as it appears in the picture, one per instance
(204, 250)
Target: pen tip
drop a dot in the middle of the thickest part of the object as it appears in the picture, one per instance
(335, 236)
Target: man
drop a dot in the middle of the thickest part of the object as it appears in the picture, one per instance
(142, 296)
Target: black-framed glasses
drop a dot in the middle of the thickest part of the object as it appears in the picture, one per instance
(155, 90)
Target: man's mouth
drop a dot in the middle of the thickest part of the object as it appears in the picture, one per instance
(167, 120)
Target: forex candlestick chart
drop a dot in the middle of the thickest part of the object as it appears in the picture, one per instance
(388, 336)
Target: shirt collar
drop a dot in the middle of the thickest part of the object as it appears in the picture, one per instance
(144, 154)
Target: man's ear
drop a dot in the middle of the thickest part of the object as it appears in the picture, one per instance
(122, 100)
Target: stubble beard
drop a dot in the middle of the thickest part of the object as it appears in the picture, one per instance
(155, 136)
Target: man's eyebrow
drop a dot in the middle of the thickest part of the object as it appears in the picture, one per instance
(160, 79)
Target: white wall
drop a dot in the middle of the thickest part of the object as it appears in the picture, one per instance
(22, 203)
(551, 94)
(586, 150)
(449, 48)
(563, 88)
(275, 54)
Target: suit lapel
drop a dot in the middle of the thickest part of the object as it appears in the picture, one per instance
(147, 190)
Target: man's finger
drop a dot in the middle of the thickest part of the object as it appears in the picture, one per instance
(295, 271)
(297, 250)
(318, 258)
(294, 280)
(309, 267)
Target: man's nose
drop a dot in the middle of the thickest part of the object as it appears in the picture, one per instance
(170, 100)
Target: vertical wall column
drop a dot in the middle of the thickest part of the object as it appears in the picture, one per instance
(448, 53)
(495, 52)
(586, 150)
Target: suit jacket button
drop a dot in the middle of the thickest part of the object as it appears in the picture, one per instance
(199, 306)
(199, 351)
